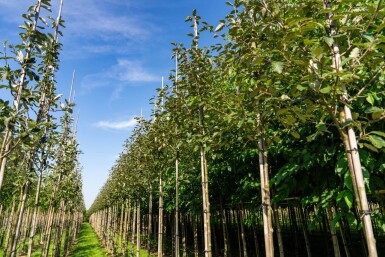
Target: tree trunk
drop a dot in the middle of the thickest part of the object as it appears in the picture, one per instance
(177, 251)
(138, 229)
(236, 219)
(265, 191)
(205, 191)
(121, 224)
(304, 230)
(256, 245)
(344, 239)
(183, 220)
(35, 212)
(160, 217)
(149, 229)
(195, 228)
(15, 239)
(224, 230)
(243, 236)
(9, 228)
(333, 233)
(279, 232)
(133, 230)
(348, 136)
(294, 229)
(126, 240)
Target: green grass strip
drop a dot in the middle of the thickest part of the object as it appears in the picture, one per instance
(88, 243)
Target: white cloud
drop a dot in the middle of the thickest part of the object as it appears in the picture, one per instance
(132, 71)
(99, 26)
(92, 26)
(125, 72)
(117, 125)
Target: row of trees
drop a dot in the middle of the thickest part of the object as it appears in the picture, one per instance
(41, 202)
(294, 90)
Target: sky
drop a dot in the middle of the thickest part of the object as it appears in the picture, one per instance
(119, 51)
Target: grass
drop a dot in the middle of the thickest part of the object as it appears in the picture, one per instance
(88, 243)
(142, 251)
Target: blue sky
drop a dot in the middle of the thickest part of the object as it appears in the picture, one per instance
(119, 51)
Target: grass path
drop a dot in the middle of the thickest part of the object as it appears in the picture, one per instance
(88, 244)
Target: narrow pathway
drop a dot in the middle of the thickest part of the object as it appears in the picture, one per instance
(88, 243)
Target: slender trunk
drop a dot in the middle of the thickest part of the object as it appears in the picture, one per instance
(205, 190)
(258, 252)
(121, 227)
(348, 136)
(265, 191)
(325, 232)
(236, 218)
(25, 230)
(244, 246)
(2, 224)
(128, 222)
(9, 228)
(160, 217)
(294, 229)
(149, 229)
(35, 211)
(279, 232)
(214, 238)
(183, 220)
(47, 232)
(333, 233)
(133, 230)
(195, 228)
(224, 229)
(69, 228)
(59, 229)
(304, 230)
(138, 229)
(48, 229)
(344, 239)
(177, 251)
(15, 239)
(115, 232)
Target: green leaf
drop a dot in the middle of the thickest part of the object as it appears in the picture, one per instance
(373, 109)
(326, 90)
(341, 166)
(277, 67)
(370, 99)
(370, 147)
(337, 218)
(351, 219)
(301, 88)
(295, 134)
(380, 27)
(348, 181)
(377, 141)
(380, 133)
(348, 197)
(329, 40)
